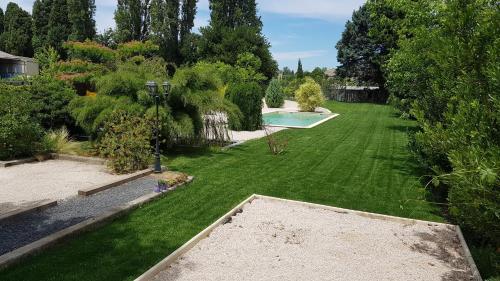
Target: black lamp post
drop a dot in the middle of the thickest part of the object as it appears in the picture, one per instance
(153, 92)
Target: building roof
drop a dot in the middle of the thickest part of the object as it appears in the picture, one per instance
(7, 56)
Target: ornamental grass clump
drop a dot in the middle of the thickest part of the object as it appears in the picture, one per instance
(274, 94)
(126, 142)
(309, 96)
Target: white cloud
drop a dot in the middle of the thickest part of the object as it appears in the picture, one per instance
(288, 56)
(317, 9)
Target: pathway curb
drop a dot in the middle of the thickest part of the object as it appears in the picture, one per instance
(95, 189)
(35, 207)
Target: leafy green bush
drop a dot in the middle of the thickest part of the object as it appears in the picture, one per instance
(19, 132)
(126, 142)
(89, 51)
(50, 98)
(309, 95)
(248, 97)
(274, 94)
(91, 113)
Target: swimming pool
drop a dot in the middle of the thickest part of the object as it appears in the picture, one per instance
(296, 119)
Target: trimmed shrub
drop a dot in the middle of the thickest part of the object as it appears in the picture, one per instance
(274, 94)
(137, 48)
(89, 51)
(126, 142)
(309, 95)
(248, 97)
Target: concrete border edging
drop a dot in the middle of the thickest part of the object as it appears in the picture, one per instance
(95, 189)
(165, 263)
(44, 204)
(33, 248)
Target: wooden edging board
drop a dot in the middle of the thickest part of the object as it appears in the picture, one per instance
(19, 254)
(98, 188)
(35, 207)
(165, 263)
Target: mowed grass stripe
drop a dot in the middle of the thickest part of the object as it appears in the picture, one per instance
(358, 160)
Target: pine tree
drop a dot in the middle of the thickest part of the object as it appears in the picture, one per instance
(235, 29)
(81, 17)
(132, 19)
(300, 71)
(1, 21)
(16, 38)
(59, 27)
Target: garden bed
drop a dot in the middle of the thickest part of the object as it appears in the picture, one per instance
(273, 239)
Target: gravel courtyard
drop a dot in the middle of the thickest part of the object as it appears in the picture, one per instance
(54, 179)
(275, 240)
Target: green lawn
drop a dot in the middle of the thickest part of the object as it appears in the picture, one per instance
(358, 160)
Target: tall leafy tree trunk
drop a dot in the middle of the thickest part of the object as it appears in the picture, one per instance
(81, 17)
(59, 27)
(187, 18)
(165, 28)
(16, 38)
(132, 19)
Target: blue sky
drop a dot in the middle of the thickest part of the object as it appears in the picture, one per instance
(306, 29)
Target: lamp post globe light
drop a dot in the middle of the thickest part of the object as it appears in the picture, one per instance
(154, 93)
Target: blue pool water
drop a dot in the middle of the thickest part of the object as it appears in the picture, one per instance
(295, 119)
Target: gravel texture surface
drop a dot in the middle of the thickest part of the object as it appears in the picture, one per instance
(54, 179)
(273, 240)
(22, 230)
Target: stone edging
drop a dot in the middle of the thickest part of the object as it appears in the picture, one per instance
(165, 263)
(95, 189)
(35, 207)
(19, 254)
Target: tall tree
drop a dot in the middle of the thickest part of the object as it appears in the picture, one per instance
(81, 17)
(300, 71)
(1, 21)
(41, 13)
(187, 18)
(236, 29)
(16, 38)
(357, 51)
(234, 13)
(59, 27)
(132, 20)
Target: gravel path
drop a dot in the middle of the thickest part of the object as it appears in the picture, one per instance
(273, 240)
(22, 230)
(54, 179)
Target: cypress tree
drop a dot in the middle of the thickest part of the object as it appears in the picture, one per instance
(300, 71)
(59, 26)
(165, 28)
(81, 17)
(1, 21)
(41, 13)
(16, 38)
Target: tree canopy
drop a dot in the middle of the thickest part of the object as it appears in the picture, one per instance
(16, 38)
